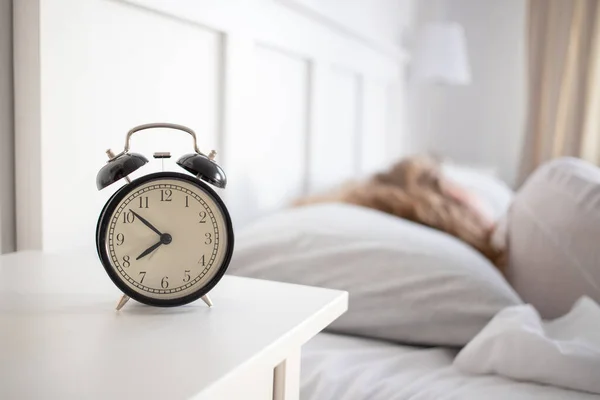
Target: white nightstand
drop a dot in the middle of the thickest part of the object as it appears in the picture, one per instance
(61, 338)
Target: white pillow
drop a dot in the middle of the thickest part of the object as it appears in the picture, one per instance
(406, 282)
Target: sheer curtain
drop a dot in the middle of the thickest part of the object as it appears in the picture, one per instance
(591, 130)
(7, 148)
(563, 98)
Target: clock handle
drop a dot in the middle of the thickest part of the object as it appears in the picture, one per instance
(161, 125)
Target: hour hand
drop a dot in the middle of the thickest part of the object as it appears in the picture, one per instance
(149, 250)
(145, 222)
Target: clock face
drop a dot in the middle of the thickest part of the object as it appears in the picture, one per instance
(165, 239)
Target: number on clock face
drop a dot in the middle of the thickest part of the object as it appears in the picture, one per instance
(166, 238)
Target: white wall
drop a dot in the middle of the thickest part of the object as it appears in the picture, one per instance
(267, 83)
(381, 20)
(384, 24)
(7, 217)
(483, 123)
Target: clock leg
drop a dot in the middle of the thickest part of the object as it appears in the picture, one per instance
(207, 300)
(124, 299)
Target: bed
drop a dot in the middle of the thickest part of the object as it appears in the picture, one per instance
(428, 316)
(343, 367)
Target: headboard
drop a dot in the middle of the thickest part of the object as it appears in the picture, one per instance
(291, 101)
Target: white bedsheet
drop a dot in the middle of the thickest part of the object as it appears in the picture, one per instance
(338, 367)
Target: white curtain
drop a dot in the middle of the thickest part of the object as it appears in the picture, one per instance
(591, 130)
(563, 87)
(7, 181)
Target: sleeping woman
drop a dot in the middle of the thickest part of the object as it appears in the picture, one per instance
(546, 245)
(416, 189)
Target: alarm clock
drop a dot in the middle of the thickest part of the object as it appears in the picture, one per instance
(165, 239)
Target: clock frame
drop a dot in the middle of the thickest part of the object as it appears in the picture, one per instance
(104, 222)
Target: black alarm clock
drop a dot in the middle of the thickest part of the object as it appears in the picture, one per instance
(166, 238)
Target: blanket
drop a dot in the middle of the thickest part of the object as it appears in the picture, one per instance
(518, 344)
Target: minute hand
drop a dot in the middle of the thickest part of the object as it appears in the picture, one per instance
(145, 222)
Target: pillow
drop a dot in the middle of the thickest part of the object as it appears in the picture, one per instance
(495, 193)
(553, 228)
(406, 282)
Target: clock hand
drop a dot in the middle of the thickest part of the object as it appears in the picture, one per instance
(165, 238)
(145, 222)
(149, 250)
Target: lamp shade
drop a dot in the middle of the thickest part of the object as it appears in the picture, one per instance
(441, 54)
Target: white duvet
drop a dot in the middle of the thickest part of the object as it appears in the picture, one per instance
(339, 367)
(518, 344)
